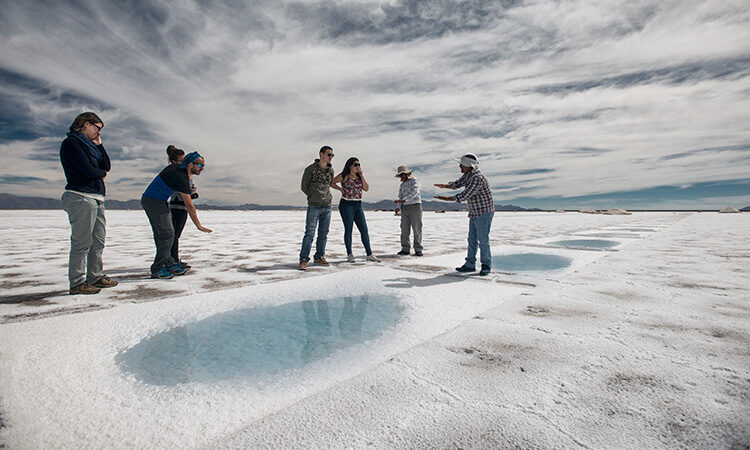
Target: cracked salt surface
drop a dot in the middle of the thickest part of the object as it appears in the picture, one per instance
(641, 348)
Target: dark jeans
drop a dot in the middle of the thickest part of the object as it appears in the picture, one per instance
(352, 213)
(161, 224)
(179, 218)
(317, 217)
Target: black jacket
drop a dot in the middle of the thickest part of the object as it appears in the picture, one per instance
(83, 172)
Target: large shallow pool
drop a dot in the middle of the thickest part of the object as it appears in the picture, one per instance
(261, 342)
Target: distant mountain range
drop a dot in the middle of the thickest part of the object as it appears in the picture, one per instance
(9, 201)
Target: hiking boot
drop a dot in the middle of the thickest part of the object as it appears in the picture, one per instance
(322, 261)
(84, 288)
(373, 258)
(403, 253)
(162, 273)
(485, 270)
(465, 269)
(105, 282)
(350, 258)
(177, 270)
(417, 253)
(302, 265)
(184, 265)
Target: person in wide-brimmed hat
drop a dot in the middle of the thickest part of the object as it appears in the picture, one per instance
(410, 198)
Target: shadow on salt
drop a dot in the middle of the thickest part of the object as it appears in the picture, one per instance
(260, 342)
(530, 262)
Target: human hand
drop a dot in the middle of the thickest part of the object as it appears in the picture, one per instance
(98, 140)
(443, 186)
(204, 229)
(398, 201)
(443, 197)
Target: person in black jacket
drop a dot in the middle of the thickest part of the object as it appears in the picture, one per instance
(86, 163)
(177, 207)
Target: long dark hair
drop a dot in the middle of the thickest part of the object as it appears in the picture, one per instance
(82, 118)
(173, 153)
(348, 167)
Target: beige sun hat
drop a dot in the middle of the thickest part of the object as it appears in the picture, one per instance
(403, 169)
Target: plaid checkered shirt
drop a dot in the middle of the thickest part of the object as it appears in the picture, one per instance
(477, 193)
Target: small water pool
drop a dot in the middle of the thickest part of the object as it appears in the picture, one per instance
(614, 235)
(586, 243)
(261, 342)
(530, 262)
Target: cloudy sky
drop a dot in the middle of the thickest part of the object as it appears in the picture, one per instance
(634, 104)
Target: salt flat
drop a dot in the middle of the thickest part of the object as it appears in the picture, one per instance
(644, 345)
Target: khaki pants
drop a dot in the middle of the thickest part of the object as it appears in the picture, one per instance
(87, 234)
(411, 219)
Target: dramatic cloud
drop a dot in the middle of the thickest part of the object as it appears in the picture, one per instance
(564, 102)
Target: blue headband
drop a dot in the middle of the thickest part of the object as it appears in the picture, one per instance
(189, 158)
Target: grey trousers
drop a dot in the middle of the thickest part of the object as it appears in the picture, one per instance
(161, 224)
(87, 234)
(411, 219)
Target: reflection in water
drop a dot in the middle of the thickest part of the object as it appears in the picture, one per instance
(259, 341)
(320, 336)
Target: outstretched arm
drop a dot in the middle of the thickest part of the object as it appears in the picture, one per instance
(193, 213)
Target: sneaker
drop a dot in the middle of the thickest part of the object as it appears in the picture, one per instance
(350, 258)
(373, 258)
(322, 261)
(162, 273)
(177, 270)
(184, 265)
(104, 282)
(465, 268)
(403, 253)
(485, 270)
(417, 253)
(84, 288)
(302, 265)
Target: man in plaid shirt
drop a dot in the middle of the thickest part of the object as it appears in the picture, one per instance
(478, 197)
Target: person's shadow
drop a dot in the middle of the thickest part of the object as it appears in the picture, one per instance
(408, 282)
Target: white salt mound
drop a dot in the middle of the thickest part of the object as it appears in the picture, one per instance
(729, 209)
(588, 211)
(560, 211)
(618, 212)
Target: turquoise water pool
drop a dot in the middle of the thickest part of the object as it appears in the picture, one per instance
(586, 243)
(259, 342)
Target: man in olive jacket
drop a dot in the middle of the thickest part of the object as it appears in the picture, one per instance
(316, 184)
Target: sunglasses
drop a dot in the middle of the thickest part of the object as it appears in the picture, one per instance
(201, 165)
(98, 128)
(330, 155)
(356, 164)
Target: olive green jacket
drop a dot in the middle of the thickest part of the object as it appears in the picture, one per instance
(316, 184)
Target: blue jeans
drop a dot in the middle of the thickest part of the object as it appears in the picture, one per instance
(352, 213)
(479, 232)
(320, 217)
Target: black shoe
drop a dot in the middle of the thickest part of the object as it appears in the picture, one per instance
(417, 253)
(403, 253)
(465, 268)
(184, 265)
(485, 270)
